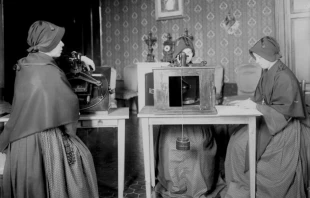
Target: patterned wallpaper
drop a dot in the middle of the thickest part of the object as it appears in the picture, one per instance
(126, 22)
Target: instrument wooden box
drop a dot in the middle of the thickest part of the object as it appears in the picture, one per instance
(98, 101)
(165, 95)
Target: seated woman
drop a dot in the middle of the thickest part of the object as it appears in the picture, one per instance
(187, 173)
(282, 136)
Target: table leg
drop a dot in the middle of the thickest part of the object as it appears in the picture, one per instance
(146, 152)
(121, 156)
(152, 156)
(252, 155)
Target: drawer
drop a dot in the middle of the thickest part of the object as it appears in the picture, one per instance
(97, 123)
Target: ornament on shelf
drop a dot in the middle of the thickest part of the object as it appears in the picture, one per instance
(150, 41)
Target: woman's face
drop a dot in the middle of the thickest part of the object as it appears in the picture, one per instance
(189, 54)
(261, 61)
(56, 52)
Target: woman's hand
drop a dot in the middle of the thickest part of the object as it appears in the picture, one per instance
(88, 62)
(246, 104)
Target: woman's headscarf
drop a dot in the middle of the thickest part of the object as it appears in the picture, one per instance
(268, 48)
(44, 36)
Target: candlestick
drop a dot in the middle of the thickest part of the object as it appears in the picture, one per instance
(150, 41)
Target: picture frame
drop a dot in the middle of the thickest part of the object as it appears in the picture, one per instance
(169, 9)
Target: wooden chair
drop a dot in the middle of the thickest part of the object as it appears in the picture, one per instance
(305, 88)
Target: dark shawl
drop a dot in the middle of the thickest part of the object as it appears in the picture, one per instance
(43, 99)
(279, 99)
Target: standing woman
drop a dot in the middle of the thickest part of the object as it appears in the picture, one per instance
(44, 157)
(283, 135)
(188, 173)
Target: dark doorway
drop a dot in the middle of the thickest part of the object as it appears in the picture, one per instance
(77, 16)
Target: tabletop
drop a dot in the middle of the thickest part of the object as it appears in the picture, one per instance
(119, 113)
(222, 111)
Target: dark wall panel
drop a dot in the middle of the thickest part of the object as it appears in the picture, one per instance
(74, 15)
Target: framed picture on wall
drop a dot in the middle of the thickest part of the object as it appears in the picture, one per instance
(168, 9)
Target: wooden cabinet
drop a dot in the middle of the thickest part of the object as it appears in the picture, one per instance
(293, 34)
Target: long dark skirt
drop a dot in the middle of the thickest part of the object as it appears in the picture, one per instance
(49, 164)
(186, 173)
(281, 171)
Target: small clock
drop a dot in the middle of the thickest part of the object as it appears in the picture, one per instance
(168, 49)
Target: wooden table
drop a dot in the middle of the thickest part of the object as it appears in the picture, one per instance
(115, 118)
(225, 115)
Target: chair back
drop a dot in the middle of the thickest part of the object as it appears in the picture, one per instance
(131, 77)
(247, 77)
(305, 88)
